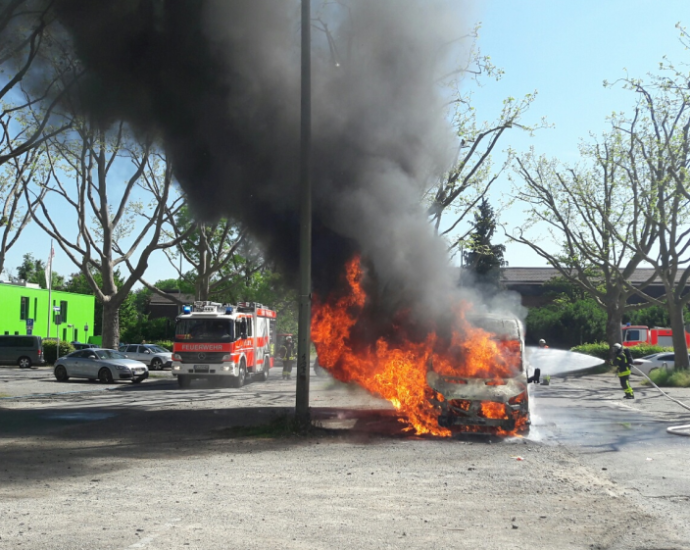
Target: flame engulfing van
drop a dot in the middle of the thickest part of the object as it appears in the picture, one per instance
(488, 402)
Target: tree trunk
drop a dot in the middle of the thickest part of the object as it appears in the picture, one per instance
(614, 320)
(203, 287)
(203, 280)
(111, 324)
(680, 347)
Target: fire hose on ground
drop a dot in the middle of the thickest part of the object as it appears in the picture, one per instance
(675, 430)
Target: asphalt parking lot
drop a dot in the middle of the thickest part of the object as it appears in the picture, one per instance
(120, 466)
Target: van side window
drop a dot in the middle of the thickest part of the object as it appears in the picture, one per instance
(24, 308)
(249, 326)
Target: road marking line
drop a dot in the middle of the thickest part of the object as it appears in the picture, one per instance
(143, 543)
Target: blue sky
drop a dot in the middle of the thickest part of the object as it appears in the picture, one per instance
(564, 50)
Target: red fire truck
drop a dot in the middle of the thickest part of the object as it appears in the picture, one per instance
(226, 343)
(634, 335)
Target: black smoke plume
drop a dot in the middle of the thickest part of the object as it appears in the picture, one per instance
(218, 81)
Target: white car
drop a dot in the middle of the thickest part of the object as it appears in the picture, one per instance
(105, 365)
(154, 356)
(648, 363)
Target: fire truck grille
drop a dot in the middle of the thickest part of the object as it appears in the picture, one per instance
(202, 357)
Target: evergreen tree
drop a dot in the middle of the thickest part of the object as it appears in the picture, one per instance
(33, 271)
(481, 257)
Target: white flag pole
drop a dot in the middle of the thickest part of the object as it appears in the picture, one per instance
(49, 283)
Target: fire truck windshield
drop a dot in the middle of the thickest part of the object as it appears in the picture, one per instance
(204, 330)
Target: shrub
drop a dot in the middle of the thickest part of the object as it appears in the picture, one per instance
(598, 349)
(50, 351)
(148, 329)
(555, 323)
(167, 344)
(646, 349)
(671, 378)
(601, 350)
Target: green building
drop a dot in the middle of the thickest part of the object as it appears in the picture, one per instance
(24, 309)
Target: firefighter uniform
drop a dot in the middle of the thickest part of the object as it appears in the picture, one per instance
(287, 354)
(622, 363)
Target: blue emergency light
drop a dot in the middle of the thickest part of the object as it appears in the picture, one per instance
(186, 309)
(228, 310)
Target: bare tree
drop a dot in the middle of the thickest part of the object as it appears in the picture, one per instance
(109, 231)
(220, 253)
(15, 175)
(466, 184)
(27, 116)
(469, 180)
(658, 133)
(591, 213)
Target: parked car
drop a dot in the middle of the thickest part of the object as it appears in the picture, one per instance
(154, 356)
(21, 350)
(106, 365)
(648, 363)
(80, 345)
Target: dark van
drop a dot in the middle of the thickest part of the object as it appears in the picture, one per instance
(21, 350)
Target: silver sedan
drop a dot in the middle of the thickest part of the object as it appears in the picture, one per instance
(105, 365)
(648, 363)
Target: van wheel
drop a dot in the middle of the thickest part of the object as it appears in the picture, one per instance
(105, 376)
(238, 381)
(265, 368)
(24, 363)
(61, 374)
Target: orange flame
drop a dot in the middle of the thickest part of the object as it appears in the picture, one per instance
(397, 371)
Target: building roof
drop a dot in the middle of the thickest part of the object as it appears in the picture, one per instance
(157, 299)
(539, 275)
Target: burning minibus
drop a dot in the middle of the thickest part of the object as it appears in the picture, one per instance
(494, 400)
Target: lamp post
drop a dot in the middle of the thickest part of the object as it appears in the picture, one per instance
(304, 340)
(86, 333)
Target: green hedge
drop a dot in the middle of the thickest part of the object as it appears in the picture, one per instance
(50, 350)
(671, 378)
(167, 344)
(555, 324)
(602, 350)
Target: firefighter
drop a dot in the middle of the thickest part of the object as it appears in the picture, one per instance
(287, 354)
(536, 375)
(622, 361)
